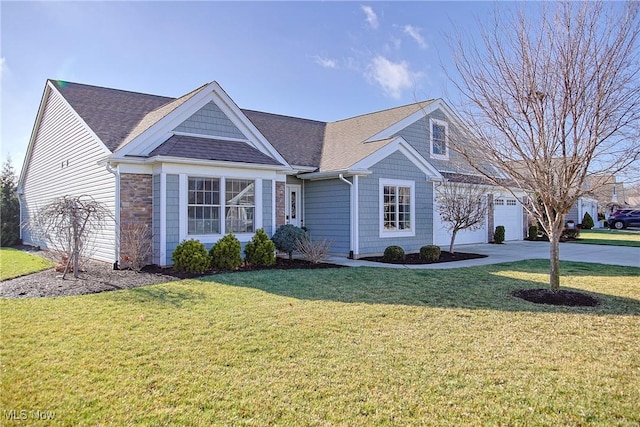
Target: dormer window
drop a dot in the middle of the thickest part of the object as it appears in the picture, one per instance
(438, 142)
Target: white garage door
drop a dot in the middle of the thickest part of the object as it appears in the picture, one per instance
(442, 235)
(507, 211)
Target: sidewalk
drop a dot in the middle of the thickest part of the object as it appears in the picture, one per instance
(518, 251)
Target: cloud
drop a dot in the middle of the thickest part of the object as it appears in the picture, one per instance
(393, 77)
(325, 62)
(371, 16)
(4, 69)
(414, 33)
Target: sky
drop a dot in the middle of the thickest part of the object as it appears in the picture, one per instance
(318, 60)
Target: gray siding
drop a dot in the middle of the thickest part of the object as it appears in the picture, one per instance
(418, 135)
(396, 166)
(327, 214)
(63, 161)
(173, 214)
(573, 214)
(267, 206)
(156, 219)
(210, 120)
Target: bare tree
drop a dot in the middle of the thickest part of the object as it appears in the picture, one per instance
(553, 101)
(462, 205)
(67, 224)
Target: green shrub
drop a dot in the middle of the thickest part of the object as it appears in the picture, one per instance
(393, 254)
(533, 232)
(225, 254)
(191, 256)
(260, 251)
(498, 235)
(286, 238)
(587, 221)
(430, 253)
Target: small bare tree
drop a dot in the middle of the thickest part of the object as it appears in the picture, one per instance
(553, 101)
(66, 225)
(136, 245)
(462, 205)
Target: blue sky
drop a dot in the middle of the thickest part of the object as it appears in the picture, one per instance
(318, 60)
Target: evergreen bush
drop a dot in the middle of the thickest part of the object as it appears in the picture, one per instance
(225, 254)
(587, 221)
(533, 232)
(430, 253)
(394, 254)
(260, 251)
(498, 235)
(286, 238)
(191, 256)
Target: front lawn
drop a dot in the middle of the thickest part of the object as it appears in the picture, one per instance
(609, 237)
(350, 346)
(15, 263)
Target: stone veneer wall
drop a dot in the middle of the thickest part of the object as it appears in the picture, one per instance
(136, 203)
(280, 204)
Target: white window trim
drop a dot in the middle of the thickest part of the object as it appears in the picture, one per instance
(398, 183)
(444, 156)
(213, 238)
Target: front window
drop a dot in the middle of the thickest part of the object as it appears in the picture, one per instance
(438, 141)
(397, 202)
(240, 205)
(204, 206)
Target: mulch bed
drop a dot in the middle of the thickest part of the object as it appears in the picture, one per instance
(559, 297)
(99, 277)
(415, 259)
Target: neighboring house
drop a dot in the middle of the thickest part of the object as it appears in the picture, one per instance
(199, 167)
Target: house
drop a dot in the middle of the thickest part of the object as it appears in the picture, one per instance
(199, 167)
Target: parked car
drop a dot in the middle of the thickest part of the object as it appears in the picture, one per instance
(624, 218)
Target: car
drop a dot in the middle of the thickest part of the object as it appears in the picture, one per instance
(624, 218)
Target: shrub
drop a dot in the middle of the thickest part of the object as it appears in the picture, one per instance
(225, 254)
(191, 256)
(260, 251)
(587, 221)
(314, 252)
(498, 235)
(286, 238)
(393, 254)
(570, 234)
(430, 253)
(136, 245)
(533, 232)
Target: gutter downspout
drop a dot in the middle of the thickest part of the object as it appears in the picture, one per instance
(116, 174)
(353, 213)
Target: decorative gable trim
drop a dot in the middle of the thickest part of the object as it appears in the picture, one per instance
(412, 118)
(163, 129)
(401, 145)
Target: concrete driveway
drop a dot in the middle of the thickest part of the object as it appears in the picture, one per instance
(521, 250)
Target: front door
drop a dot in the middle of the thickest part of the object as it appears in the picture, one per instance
(292, 207)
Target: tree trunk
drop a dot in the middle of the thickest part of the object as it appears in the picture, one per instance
(453, 239)
(554, 256)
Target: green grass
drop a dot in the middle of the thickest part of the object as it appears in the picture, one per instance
(15, 263)
(609, 237)
(352, 346)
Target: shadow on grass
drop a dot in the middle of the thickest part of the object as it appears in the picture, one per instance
(160, 295)
(483, 288)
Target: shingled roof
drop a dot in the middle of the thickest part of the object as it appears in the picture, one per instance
(298, 140)
(118, 116)
(111, 113)
(190, 147)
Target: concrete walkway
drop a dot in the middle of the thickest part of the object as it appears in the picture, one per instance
(518, 251)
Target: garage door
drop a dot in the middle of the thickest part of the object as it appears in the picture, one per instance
(507, 211)
(442, 235)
